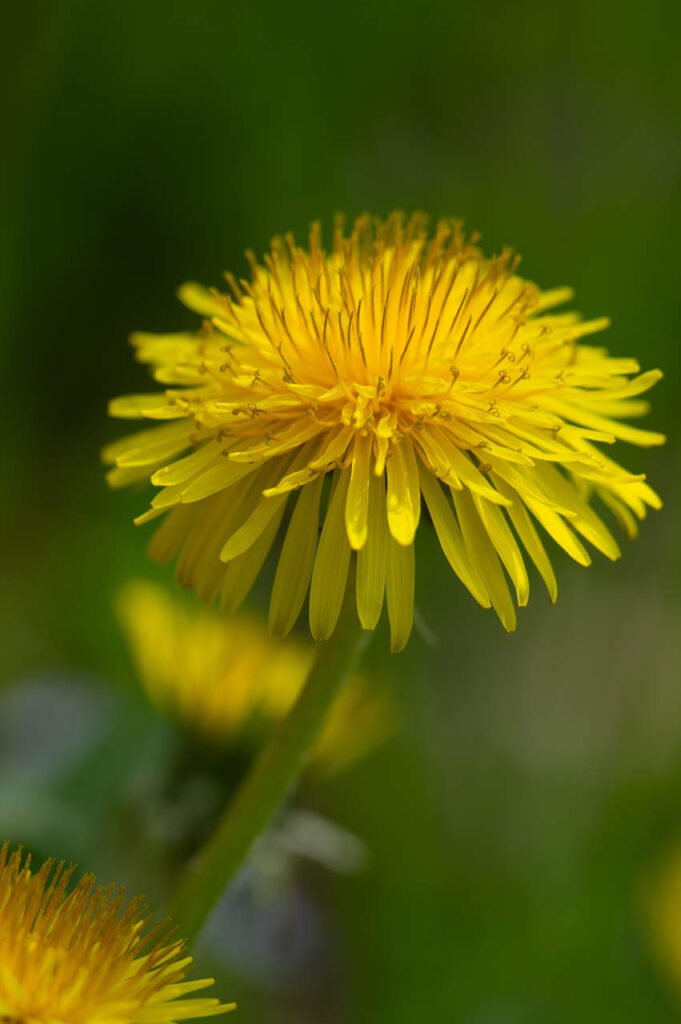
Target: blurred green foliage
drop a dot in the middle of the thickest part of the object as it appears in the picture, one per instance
(511, 826)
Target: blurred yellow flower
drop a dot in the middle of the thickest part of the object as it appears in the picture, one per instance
(76, 957)
(396, 367)
(663, 910)
(223, 677)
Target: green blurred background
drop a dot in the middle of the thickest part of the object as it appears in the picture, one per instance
(513, 824)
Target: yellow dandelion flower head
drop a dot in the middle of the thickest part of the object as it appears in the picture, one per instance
(75, 956)
(397, 367)
(227, 678)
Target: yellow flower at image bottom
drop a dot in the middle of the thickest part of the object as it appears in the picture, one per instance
(76, 956)
(227, 678)
(392, 371)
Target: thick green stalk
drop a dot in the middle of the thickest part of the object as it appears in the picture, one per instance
(269, 781)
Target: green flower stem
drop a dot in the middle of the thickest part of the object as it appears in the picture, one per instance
(269, 781)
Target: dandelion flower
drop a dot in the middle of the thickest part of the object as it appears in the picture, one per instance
(227, 679)
(75, 956)
(396, 367)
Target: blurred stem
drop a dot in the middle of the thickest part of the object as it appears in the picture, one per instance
(271, 777)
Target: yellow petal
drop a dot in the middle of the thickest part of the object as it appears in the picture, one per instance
(626, 408)
(357, 502)
(399, 589)
(626, 520)
(483, 438)
(404, 495)
(155, 407)
(557, 528)
(464, 468)
(585, 521)
(242, 572)
(215, 519)
(168, 497)
(578, 414)
(449, 536)
(584, 327)
(296, 560)
(553, 297)
(527, 484)
(529, 536)
(371, 559)
(506, 546)
(200, 300)
(334, 448)
(168, 538)
(291, 482)
(148, 516)
(184, 469)
(173, 434)
(484, 557)
(121, 476)
(151, 455)
(513, 436)
(330, 572)
(637, 386)
(283, 441)
(211, 523)
(242, 539)
(215, 479)
(264, 508)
